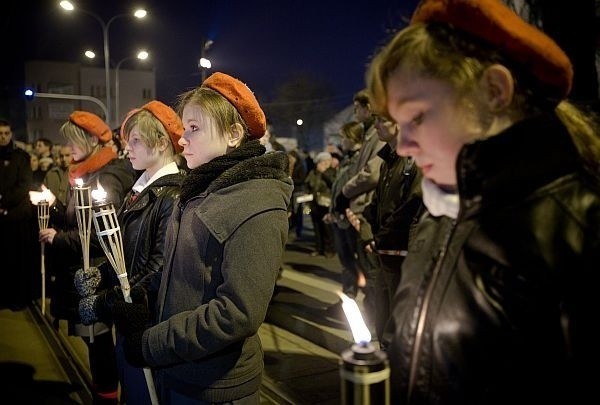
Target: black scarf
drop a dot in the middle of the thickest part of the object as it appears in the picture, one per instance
(198, 180)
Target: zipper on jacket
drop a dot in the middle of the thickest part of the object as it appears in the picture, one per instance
(414, 361)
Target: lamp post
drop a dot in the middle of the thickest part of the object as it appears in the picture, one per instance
(141, 55)
(204, 63)
(139, 13)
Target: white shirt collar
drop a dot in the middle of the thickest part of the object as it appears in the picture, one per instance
(144, 182)
(438, 201)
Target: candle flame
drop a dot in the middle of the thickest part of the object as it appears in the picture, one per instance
(79, 182)
(99, 195)
(360, 332)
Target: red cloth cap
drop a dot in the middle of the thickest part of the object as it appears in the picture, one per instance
(497, 24)
(242, 98)
(92, 124)
(166, 116)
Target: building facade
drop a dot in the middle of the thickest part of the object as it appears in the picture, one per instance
(44, 116)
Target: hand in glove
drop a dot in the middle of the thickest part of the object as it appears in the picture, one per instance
(87, 281)
(131, 321)
(98, 307)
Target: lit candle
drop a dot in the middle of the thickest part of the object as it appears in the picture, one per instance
(99, 195)
(109, 236)
(43, 211)
(364, 371)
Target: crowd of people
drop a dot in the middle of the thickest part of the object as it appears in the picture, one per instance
(463, 201)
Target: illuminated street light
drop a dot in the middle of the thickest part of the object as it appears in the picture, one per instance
(299, 122)
(139, 13)
(204, 63)
(90, 54)
(141, 55)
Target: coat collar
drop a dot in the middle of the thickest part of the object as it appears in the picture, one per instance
(510, 165)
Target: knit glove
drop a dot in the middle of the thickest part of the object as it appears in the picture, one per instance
(87, 281)
(131, 320)
(97, 307)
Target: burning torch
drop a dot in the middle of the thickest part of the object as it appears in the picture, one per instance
(83, 212)
(111, 240)
(364, 371)
(41, 200)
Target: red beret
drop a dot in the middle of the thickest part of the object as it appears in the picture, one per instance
(92, 124)
(242, 98)
(166, 116)
(497, 24)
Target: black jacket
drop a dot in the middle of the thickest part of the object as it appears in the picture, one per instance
(144, 223)
(499, 306)
(395, 207)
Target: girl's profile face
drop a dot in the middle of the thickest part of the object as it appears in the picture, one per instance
(79, 153)
(139, 154)
(432, 126)
(200, 141)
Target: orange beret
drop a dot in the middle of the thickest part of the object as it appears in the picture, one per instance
(166, 116)
(497, 24)
(242, 98)
(92, 124)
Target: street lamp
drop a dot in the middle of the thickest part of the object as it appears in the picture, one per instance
(139, 13)
(141, 55)
(204, 63)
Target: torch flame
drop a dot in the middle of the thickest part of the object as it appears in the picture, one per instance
(79, 182)
(99, 195)
(46, 194)
(360, 332)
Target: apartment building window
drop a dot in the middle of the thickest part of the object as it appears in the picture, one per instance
(147, 94)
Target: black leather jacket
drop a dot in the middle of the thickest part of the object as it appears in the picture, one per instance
(499, 305)
(144, 223)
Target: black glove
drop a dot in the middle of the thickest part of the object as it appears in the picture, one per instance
(341, 203)
(98, 307)
(131, 320)
(87, 281)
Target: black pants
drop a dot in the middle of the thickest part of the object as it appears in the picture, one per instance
(103, 366)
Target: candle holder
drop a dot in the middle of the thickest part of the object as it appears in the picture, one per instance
(364, 370)
(111, 240)
(83, 212)
(43, 216)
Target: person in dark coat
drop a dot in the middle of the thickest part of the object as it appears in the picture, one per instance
(223, 252)
(498, 298)
(94, 164)
(388, 219)
(16, 222)
(151, 133)
(318, 182)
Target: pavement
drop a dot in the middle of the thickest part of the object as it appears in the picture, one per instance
(301, 340)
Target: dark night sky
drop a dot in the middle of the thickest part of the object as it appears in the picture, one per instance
(261, 42)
